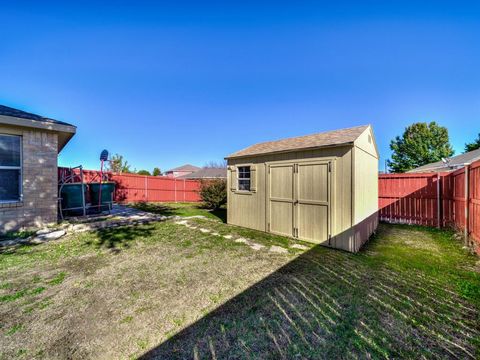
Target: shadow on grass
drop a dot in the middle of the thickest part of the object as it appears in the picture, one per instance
(332, 304)
(120, 238)
(182, 209)
(220, 213)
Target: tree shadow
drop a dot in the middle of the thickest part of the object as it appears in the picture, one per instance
(331, 304)
(118, 238)
(155, 208)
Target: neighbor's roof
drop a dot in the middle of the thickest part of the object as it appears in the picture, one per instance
(206, 173)
(186, 167)
(453, 163)
(15, 117)
(328, 138)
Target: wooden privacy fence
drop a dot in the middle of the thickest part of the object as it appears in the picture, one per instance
(135, 188)
(434, 199)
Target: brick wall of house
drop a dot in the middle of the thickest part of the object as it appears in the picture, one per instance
(39, 172)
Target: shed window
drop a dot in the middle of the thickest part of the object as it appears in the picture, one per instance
(10, 168)
(244, 178)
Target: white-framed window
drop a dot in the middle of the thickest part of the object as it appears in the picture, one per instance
(10, 168)
(244, 177)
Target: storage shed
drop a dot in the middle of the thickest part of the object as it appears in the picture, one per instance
(321, 188)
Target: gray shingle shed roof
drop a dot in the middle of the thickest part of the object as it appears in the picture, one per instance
(454, 163)
(14, 117)
(328, 138)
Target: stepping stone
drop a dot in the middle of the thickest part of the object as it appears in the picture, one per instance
(43, 231)
(298, 246)
(184, 222)
(204, 230)
(256, 246)
(228, 237)
(5, 243)
(54, 235)
(242, 240)
(278, 249)
(215, 234)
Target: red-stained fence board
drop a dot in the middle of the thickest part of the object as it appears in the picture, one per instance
(135, 188)
(433, 199)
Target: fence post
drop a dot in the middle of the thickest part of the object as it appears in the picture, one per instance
(467, 190)
(146, 189)
(184, 190)
(439, 199)
(175, 183)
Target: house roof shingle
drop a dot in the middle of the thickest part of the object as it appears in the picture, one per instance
(8, 111)
(206, 173)
(453, 163)
(328, 138)
(14, 117)
(186, 167)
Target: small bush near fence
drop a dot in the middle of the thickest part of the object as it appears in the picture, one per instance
(214, 193)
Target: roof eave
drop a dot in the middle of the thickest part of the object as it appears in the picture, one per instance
(66, 132)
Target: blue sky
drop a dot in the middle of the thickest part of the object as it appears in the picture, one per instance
(167, 84)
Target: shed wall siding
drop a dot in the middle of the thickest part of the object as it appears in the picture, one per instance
(365, 195)
(39, 175)
(249, 210)
(366, 142)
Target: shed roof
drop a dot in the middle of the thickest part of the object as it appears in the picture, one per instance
(186, 167)
(328, 138)
(16, 117)
(453, 163)
(206, 173)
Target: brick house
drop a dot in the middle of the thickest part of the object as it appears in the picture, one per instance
(29, 146)
(181, 170)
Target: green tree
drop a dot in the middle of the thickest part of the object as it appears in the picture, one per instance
(143, 172)
(420, 144)
(473, 145)
(156, 172)
(118, 164)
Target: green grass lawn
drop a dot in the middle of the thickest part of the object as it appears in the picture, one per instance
(183, 209)
(166, 290)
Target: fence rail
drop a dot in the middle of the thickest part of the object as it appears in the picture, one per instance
(135, 188)
(434, 199)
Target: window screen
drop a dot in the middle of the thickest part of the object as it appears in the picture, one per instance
(10, 168)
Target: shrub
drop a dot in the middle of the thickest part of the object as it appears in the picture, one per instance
(214, 193)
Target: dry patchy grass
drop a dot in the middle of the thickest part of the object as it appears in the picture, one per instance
(167, 291)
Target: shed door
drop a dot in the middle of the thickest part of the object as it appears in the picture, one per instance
(312, 205)
(281, 199)
(299, 200)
